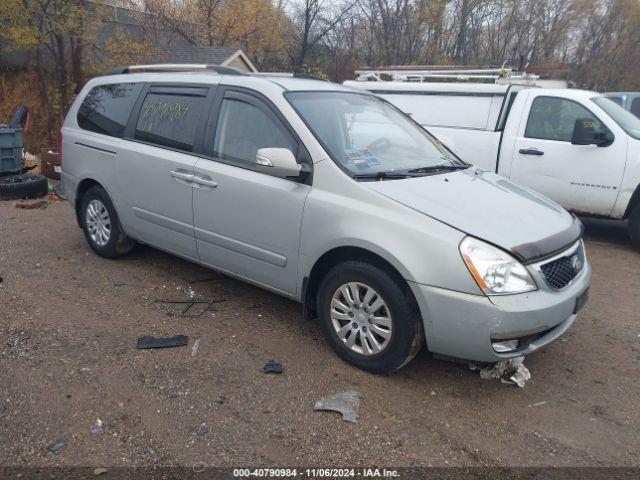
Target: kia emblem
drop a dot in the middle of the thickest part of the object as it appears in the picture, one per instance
(576, 263)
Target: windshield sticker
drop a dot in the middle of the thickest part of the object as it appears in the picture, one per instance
(360, 157)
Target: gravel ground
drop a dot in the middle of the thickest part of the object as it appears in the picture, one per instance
(70, 321)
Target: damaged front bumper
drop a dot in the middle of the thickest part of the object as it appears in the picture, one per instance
(472, 327)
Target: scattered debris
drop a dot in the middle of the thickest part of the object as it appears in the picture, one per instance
(188, 304)
(346, 403)
(194, 349)
(58, 193)
(97, 428)
(199, 467)
(57, 445)
(272, 367)
(99, 471)
(202, 431)
(510, 371)
(153, 342)
(32, 204)
(202, 280)
(537, 404)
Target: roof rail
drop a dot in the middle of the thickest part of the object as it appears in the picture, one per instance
(308, 76)
(434, 72)
(177, 67)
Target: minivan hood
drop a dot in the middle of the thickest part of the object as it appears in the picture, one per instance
(490, 207)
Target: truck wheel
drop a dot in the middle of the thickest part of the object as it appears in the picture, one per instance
(101, 225)
(368, 317)
(23, 186)
(634, 227)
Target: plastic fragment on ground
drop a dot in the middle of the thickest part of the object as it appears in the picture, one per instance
(510, 371)
(153, 342)
(272, 367)
(57, 445)
(346, 403)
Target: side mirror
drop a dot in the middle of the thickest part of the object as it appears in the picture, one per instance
(585, 133)
(277, 162)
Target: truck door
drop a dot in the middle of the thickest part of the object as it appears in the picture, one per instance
(582, 178)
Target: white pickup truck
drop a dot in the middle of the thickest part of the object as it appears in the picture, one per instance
(576, 147)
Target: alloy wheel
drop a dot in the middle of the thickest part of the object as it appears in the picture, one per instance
(361, 318)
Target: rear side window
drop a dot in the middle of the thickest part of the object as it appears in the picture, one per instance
(106, 108)
(553, 118)
(170, 117)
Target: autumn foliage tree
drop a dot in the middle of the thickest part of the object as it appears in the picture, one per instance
(257, 26)
(60, 40)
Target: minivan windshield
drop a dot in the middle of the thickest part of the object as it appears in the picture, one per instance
(627, 120)
(369, 138)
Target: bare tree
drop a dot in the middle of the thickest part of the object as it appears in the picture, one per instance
(314, 19)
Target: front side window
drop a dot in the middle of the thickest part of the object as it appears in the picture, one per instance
(554, 118)
(243, 128)
(366, 135)
(625, 119)
(170, 118)
(106, 108)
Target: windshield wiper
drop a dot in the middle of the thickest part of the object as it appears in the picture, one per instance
(382, 176)
(438, 168)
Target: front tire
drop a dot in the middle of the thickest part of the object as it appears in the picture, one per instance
(101, 225)
(634, 227)
(369, 317)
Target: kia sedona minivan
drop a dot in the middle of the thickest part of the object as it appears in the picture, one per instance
(329, 196)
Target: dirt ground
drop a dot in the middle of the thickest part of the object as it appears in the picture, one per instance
(68, 357)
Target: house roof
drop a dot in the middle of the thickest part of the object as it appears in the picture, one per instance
(205, 54)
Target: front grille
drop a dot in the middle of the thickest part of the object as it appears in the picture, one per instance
(559, 272)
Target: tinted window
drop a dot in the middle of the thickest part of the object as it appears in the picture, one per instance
(171, 117)
(366, 134)
(617, 100)
(635, 107)
(106, 108)
(553, 118)
(624, 118)
(243, 128)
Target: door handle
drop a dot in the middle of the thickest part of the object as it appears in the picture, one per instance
(182, 175)
(204, 180)
(531, 151)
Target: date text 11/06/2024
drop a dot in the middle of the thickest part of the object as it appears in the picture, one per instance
(316, 472)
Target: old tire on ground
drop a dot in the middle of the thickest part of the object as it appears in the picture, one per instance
(369, 317)
(101, 225)
(23, 186)
(634, 227)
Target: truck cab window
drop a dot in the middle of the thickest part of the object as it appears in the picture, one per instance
(635, 107)
(553, 118)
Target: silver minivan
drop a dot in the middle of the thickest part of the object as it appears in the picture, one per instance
(331, 197)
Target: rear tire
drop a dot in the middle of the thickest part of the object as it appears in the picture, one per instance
(634, 227)
(380, 330)
(23, 186)
(101, 225)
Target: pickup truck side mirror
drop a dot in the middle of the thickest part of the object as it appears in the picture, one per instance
(585, 133)
(277, 162)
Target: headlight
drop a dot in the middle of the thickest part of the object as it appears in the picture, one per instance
(495, 271)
